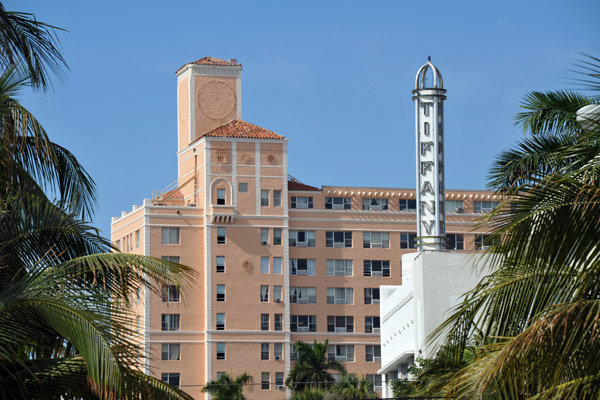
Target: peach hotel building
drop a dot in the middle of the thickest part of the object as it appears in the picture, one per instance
(277, 260)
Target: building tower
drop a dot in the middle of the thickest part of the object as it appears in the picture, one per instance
(429, 99)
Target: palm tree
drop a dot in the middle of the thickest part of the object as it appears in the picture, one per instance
(311, 367)
(226, 388)
(538, 312)
(351, 387)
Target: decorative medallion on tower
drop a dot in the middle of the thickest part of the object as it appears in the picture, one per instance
(429, 96)
(216, 99)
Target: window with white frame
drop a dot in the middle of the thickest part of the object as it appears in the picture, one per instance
(303, 295)
(376, 268)
(338, 239)
(484, 242)
(279, 381)
(264, 236)
(372, 325)
(302, 266)
(264, 293)
(454, 206)
(170, 293)
(340, 296)
(264, 351)
(264, 322)
(376, 380)
(278, 322)
(277, 293)
(301, 202)
(339, 267)
(174, 259)
(338, 203)
(408, 240)
(484, 206)
(265, 380)
(138, 324)
(379, 240)
(408, 205)
(137, 238)
(170, 322)
(220, 321)
(172, 378)
(277, 265)
(340, 323)
(276, 198)
(277, 236)
(221, 238)
(371, 295)
(455, 241)
(264, 265)
(264, 198)
(373, 353)
(221, 197)
(303, 323)
(170, 235)
(375, 204)
(243, 187)
(340, 352)
(220, 374)
(302, 239)
(220, 263)
(278, 351)
(171, 351)
(220, 292)
(220, 351)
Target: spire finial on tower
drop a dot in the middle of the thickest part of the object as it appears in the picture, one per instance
(429, 58)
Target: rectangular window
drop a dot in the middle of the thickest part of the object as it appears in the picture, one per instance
(302, 202)
(277, 265)
(220, 263)
(264, 198)
(221, 239)
(408, 205)
(372, 325)
(302, 238)
(243, 187)
(171, 351)
(265, 378)
(220, 321)
(170, 322)
(485, 206)
(338, 239)
(277, 236)
(303, 295)
(373, 353)
(137, 238)
(174, 259)
(484, 242)
(340, 323)
(264, 236)
(220, 292)
(375, 204)
(340, 296)
(264, 265)
(138, 324)
(264, 322)
(264, 351)
(138, 295)
(171, 378)
(277, 294)
(278, 351)
(408, 240)
(338, 203)
(170, 235)
(339, 267)
(220, 351)
(170, 294)
(340, 352)
(377, 268)
(221, 197)
(376, 380)
(278, 322)
(118, 244)
(379, 240)
(279, 380)
(302, 266)
(455, 241)
(264, 293)
(303, 323)
(276, 198)
(454, 206)
(371, 295)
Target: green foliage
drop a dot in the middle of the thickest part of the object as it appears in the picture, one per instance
(226, 388)
(311, 367)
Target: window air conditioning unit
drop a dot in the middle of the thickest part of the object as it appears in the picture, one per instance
(277, 357)
(376, 330)
(277, 300)
(280, 387)
(340, 330)
(460, 210)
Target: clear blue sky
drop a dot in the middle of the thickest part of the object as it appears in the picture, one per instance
(335, 77)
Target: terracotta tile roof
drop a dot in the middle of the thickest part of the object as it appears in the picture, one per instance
(214, 61)
(295, 184)
(174, 194)
(242, 129)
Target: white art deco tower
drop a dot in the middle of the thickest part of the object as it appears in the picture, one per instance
(429, 96)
